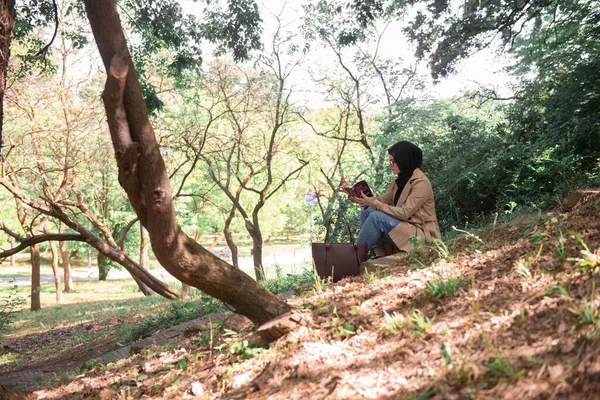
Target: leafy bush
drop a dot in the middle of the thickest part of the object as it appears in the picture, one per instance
(9, 306)
(284, 282)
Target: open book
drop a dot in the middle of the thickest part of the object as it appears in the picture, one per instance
(358, 188)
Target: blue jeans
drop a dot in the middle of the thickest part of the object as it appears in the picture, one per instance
(376, 227)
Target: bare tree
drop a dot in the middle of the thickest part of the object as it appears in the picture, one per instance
(245, 160)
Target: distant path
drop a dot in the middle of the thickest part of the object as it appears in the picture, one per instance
(291, 258)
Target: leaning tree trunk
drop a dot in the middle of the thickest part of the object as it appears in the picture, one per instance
(7, 23)
(36, 285)
(143, 175)
(54, 249)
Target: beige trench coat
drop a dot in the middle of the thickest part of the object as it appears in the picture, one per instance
(416, 210)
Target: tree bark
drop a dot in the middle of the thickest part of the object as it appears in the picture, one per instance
(54, 250)
(230, 242)
(66, 266)
(144, 247)
(7, 24)
(142, 174)
(102, 268)
(185, 288)
(257, 246)
(66, 262)
(13, 263)
(36, 286)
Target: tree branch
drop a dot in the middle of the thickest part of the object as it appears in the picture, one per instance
(32, 240)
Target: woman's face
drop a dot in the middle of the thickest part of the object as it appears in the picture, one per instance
(393, 165)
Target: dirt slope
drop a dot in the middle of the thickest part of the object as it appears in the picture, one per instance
(524, 322)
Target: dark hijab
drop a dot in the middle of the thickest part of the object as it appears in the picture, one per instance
(408, 157)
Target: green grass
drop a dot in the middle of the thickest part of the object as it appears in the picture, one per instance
(101, 313)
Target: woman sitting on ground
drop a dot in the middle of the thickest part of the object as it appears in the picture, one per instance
(407, 208)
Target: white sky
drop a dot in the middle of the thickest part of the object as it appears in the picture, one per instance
(481, 69)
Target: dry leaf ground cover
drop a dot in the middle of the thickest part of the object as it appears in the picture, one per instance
(512, 313)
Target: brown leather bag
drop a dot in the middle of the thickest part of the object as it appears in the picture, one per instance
(337, 260)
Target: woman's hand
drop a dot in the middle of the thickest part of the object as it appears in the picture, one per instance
(353, 199)
(365, 201)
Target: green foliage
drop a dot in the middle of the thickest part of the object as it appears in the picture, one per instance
(9, 306)
(420, 323)
(344, 331)
(588, 261)
(244, 349)
(319, 284)
(284, 282)
(560, 247)
(500, 368)
(447, 353)
(587, 313)
(375, 276)
(178, 312)
(236, 29)
(439, 288)
(89, 365)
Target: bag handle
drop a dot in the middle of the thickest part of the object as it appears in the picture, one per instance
(347, 226)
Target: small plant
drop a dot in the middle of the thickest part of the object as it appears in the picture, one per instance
(372, 277)
(500, 368)
(393, 323)
(89, 365)
(589, 261)
(440, 248)
(460, 377)
(536, 237)
(415, 256)
(494, 225)
(423, 393)
(319, 284)
(245, 349)
(470, 235)
(438, 288)
(560, 248)
(586, 314)
(522, 270)
(345, 331)
(420, 323)
(447, 353)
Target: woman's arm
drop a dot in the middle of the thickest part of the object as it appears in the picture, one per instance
(386, 198)
(420, 192)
